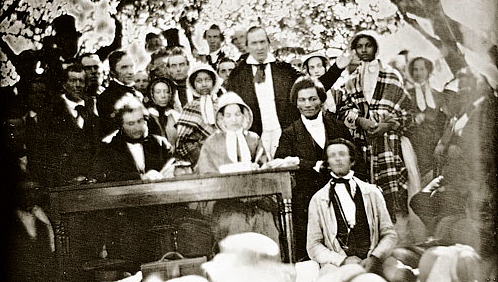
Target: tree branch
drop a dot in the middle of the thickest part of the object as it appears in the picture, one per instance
(10, 10)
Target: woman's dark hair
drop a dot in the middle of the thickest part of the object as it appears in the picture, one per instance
(369, 37)
(222, 109)
(428, 65)
(305, 82)
(167, 81)
(224, 60)
(214, 27)
(193, 76)
(323, 59)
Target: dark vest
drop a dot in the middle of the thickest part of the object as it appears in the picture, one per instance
(357, 242)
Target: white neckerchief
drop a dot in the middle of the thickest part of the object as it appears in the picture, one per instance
(207, 108)
(121, 83)
(137, 151)
(370, 72)
(424, 97)
(347, 203)
(316, 128)
(234, 139)
(71, 106)
(174, 113)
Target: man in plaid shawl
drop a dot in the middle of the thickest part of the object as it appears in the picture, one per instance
(376, 111)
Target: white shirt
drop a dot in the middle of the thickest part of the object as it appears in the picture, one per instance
(137, 151)
(71, 106)
(266, 95)
(347, 203)
(316, 128)
(214, 56)
(370, 72)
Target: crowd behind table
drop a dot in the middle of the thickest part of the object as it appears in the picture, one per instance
(416, 149)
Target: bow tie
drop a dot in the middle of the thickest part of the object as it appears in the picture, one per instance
(344, 181)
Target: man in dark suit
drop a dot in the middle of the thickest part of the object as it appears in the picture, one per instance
(265, 83)
(306, 139)
(73, 131)
(122, 71)
(133, 153)
(214, 37)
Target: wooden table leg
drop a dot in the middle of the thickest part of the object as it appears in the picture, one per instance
(287, 219)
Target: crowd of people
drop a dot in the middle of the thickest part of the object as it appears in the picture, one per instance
(365, 136)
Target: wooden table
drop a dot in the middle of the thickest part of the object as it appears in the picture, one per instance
(182, 189)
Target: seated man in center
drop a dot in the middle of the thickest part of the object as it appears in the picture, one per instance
(348, 220)
(133, 153)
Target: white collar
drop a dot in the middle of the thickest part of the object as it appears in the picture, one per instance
(71, 104)
(348, 176)
(215, 53)
(312, 122)
(120, 83)
(269, 59)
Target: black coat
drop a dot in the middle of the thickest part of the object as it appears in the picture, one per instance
(296, 141)
(117, 163)
(106, 102)
(73, 150)
(241, 82)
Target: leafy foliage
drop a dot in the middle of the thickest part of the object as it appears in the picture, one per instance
(309, 24)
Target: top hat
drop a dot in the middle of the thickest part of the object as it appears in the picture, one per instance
(65, 24)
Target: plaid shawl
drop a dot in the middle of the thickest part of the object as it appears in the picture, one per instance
(192, 131)
(389, 101)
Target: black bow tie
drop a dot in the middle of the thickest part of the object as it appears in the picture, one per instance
(81, 111)
(335, 181)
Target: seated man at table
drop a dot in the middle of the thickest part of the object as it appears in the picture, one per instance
(348, 220)
(133, 153)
